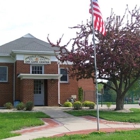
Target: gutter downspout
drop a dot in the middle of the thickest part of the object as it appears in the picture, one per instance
(13, 79)
(14, 83)
(59, 84)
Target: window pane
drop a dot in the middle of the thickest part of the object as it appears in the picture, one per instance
(64, 75)
(2, 77)
(37, 86)
(3, 74)
(64, 78)
(37, 70)
(63, 71)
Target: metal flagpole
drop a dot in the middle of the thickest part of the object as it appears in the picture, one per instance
(95, 65)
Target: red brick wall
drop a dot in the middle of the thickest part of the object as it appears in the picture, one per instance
(71, 88)
(27, 90)
(52, 93)
(51, 89)
(6, 89)
(46, 92)
(51, 68)
(20, 67)
(86, 84)
(88, 88)
(89, 96)
(68, 89)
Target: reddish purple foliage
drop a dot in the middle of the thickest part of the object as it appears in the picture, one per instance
(118, 53)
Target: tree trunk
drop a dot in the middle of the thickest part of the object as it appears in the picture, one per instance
(119, 103)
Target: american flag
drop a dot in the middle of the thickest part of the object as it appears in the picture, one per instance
(98, 20)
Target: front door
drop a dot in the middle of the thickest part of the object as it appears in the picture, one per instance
(38, 92)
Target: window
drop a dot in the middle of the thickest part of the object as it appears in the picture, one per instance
(37, 86)
(37, 69)
(64, 77)
(3, 74)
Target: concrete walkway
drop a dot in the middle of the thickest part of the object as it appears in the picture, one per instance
(63, 123)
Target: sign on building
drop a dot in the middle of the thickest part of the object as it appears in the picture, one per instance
(37, 59)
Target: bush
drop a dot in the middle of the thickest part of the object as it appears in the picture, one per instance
(77, 105)
(29, 106)
(8, 105)
(86, 103)
(80, 94)
(67, 104)
(108, 104)
(20, 106)
(91, 105)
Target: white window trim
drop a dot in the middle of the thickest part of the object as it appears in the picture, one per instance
(36, 65)
(62, 75)
(6, 75)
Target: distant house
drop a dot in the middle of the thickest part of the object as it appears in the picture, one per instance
(29, 71)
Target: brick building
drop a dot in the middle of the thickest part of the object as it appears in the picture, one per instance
(29, 71)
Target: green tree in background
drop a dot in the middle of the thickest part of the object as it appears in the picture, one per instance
(108, 94)
(134, 91)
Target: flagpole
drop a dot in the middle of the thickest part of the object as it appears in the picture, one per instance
(95, 65)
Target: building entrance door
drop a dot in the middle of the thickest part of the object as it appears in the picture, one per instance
(38, 92)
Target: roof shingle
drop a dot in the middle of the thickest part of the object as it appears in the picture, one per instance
(28, 43)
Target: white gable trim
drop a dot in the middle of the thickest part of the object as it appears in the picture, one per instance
(51, 53)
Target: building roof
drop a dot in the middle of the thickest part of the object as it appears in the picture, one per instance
(26, 43)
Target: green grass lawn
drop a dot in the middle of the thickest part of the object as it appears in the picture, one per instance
(16, 120)
(133, 116)
(118, 135)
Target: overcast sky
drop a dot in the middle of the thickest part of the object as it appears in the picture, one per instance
(53, 17)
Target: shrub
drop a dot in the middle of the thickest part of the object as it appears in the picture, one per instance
(67, 104)
(91, 105)
(29, 106)
(20, 106)
(8, 105)
(108, 104)
(86, 103)
(80, 94)
(77, 105)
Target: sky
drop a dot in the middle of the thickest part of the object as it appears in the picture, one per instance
(53, 17)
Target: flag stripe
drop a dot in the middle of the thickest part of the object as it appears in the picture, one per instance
(98, 20)
(96, 9)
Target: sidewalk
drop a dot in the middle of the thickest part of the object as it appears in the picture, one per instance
(63, 123)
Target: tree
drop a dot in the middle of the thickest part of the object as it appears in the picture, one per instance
(109, 94)
(118, 53)
(134, 90)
